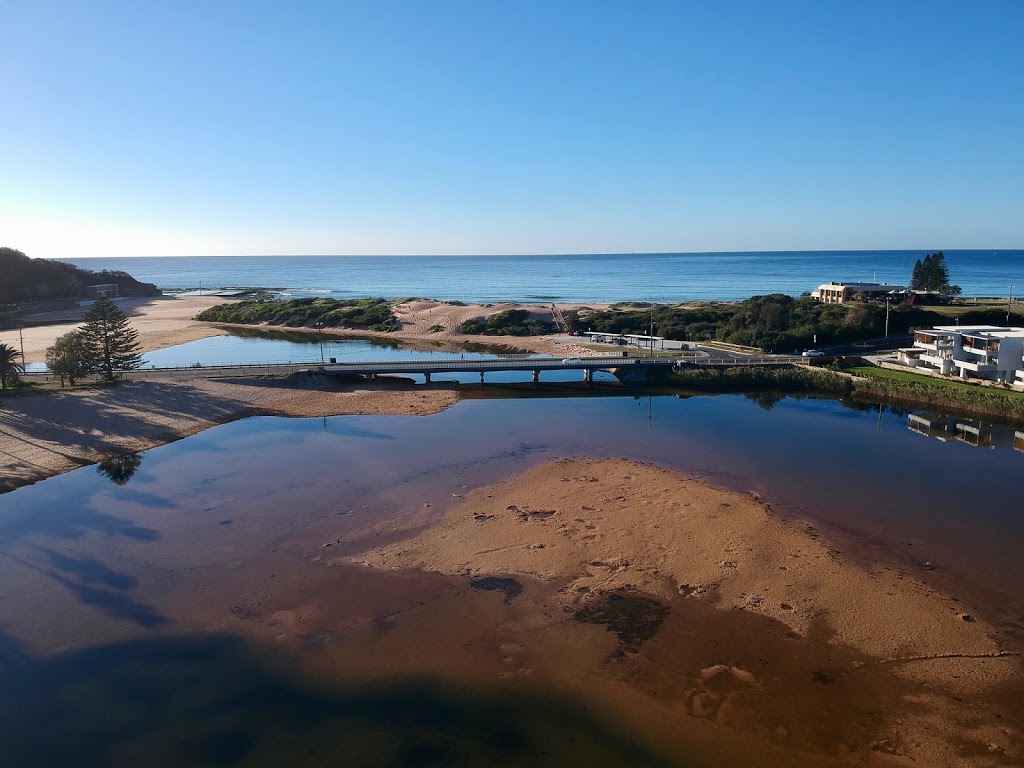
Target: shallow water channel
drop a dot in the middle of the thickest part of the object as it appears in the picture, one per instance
(119, 588)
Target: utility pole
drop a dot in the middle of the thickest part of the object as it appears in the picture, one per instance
(1009, 303)
(887, 316)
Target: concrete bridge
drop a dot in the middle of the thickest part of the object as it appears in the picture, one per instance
(619, 366)
(481, 366)
(536, 365)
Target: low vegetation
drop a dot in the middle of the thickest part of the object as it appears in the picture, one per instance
(752, 379)
(365, 314)
(511, 322)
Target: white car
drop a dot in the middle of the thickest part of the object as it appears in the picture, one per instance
(812, 353)
(570, 360)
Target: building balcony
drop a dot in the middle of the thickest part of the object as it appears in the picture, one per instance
(977, 367)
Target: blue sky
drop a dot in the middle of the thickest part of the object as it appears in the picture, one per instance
(193, 128)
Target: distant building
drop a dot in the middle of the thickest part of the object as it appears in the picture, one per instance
(981, 352)
(104, 291)
(837, 293)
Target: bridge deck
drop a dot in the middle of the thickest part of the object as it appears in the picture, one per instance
(482, 366)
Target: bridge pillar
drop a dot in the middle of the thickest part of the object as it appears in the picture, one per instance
(426, 377)
(588, 376)
(536, 376)
(481, 378)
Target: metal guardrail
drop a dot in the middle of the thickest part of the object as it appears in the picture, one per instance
(749, 360)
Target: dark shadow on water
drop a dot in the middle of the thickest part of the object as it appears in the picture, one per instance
(87, 570)
(72, 520)
(115, 605)
(96, 585)
(144, 498)
(217, 701)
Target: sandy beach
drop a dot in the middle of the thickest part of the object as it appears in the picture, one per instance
(169, 320)
(161, 321)
(48, 433)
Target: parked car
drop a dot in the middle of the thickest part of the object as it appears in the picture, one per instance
(812, 353)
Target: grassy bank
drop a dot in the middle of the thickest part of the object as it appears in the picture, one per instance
(912, 389)
(754, 379)
(866, 384)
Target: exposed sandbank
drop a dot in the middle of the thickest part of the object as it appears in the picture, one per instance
(832, 657)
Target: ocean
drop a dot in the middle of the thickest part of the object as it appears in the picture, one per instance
(662, 277)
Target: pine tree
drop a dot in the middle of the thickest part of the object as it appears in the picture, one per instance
(113, 343)
(917, 277)
(940, 272)
(931, 274)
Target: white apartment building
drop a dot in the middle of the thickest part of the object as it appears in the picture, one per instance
(980, 352)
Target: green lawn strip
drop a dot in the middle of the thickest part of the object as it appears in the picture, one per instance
(914, 378)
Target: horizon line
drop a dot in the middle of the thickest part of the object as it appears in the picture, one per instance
(524, 254)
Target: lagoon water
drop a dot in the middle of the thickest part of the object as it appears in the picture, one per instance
(111, 644)
(606, 278)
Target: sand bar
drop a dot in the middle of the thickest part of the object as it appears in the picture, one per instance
(893, 668)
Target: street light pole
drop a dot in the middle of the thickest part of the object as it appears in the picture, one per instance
(1009, 303)
(887, 317)
(22, 340)
(320, 338)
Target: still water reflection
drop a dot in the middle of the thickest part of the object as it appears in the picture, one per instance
(862, 469)
(84, 561)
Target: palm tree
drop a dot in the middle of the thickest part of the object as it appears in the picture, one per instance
(9, 365)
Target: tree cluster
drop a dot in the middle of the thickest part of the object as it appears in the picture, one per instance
(104, 345)
(932, 274)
